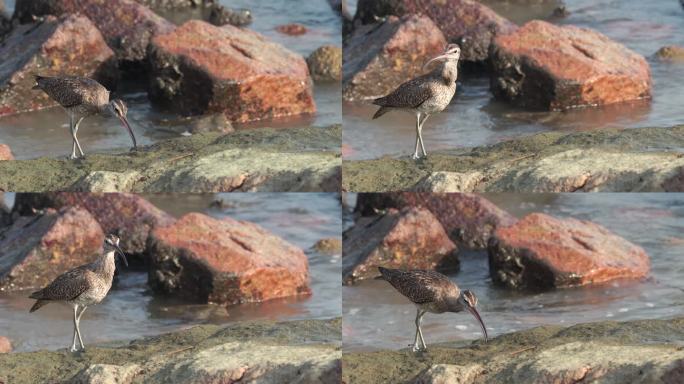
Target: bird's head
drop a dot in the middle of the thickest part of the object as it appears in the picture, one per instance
(118, 108)
(451, 53)
(469, 301)
(111, 244)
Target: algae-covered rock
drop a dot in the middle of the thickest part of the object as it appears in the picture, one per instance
(673, 53)
(106, 373)
(325, 64)
(280, 160)
(328, 246)
(641, 351)
(608, 160)
(303, 351)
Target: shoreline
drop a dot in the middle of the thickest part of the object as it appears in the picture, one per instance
(263, 350)
(607, 160)
(264, 159)
(608, 350)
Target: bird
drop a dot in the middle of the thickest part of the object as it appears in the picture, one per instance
(82, 97)
(82, 286)
(425, 95)
(431, 292)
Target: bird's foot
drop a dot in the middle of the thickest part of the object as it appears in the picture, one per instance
(415, 156)
(418, 348)
(72, 157)
(73, 349)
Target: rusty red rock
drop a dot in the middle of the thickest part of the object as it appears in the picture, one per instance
(225, 261)
(128, 215)
(408, 239)
(469, 219)
(378, 58)
(71, 44)
(36, 249)
(126, 25)
(469, 23)
(547, 67)
(5, 345)
(293, 29)
(200, 68)
(6, 152)
(543, 252)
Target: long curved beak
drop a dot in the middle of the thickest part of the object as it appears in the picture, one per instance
(123, 256)
(445, 56)
(124, 121)
(474, 312)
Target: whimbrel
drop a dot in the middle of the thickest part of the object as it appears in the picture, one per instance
(82, 286)
(82, 97)
(431, 292)
(425, 95)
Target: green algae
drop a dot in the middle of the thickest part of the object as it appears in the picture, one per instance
(405, 366)
(392, 174)
(59, 366)
(47, 174)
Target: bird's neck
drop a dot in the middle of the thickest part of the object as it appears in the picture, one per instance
(450, 72)
(105, 264)
(454, 304)
(104, 109)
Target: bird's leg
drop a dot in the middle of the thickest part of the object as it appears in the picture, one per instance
(73, 136)
(415, 153)
(420, 332)
(73, 344)
(415, 341)
(78, 328)
(78, 123)
(420, 135)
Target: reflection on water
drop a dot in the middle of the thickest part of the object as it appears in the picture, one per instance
(46, 133)
(474, 119)
(131, 311)
(376, 316)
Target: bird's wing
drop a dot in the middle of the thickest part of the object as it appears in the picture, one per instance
(67, 286)
(70, 91)
(418, 285)
(410, 94)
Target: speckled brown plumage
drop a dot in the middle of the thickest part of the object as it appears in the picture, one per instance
(84, 285)
(86, 95)
(424, 95)
(431, 292)
(82, 97)
(419, 286)
(438, 86)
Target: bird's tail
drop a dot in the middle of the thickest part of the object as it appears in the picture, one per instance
(38, 79)
(38, 304)
(381, 112)
(384, 274)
